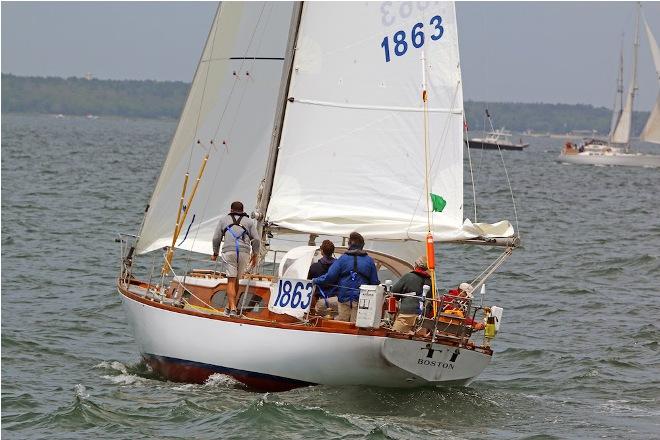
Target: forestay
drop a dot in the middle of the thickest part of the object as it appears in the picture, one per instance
(651, 132)
(229, 114)
(351, 156)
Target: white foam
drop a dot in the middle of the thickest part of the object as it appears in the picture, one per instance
(124, 379)
(114, 365)
(80, 391)
(220, 380)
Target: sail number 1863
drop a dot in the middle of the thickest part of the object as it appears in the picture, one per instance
(294, 295)
(417, 38)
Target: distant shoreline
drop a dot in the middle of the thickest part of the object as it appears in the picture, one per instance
(111, 117)
(164, 100)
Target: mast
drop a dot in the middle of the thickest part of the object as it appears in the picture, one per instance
(430, 248)
(267, 183)
(618, 97)
(633, 86)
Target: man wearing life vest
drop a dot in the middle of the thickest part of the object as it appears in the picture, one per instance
(240, 238)
(410, 308)
(349, 272)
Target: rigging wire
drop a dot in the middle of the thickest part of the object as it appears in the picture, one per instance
(506, 173)
(240, 68)
(438, 151)
(481, 155)
(231, 127)
(206, 78)
(486, 63)
(467, 144)
(249, 69)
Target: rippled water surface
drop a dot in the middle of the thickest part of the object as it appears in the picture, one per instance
(577, 355)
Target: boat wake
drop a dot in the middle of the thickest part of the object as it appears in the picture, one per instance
(122, 374)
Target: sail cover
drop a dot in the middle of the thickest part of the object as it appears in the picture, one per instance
(352, 152)
(651, 132)
(229, 114)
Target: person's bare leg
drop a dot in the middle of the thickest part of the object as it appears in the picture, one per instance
(231, 292)
(235, 293)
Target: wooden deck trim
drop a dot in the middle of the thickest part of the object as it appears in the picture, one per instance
(349, 330)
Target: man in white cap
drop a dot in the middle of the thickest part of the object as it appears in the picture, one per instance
(457, 299)
(467, 289)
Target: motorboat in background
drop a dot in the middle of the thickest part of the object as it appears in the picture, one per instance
(496, 140)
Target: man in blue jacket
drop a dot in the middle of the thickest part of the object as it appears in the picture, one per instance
(349, 272)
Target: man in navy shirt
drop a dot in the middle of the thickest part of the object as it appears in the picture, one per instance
(326, 297)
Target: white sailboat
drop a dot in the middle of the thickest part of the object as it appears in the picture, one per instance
(329, 131)
(616, 149)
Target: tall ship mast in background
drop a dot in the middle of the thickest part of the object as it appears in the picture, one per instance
(616, 149)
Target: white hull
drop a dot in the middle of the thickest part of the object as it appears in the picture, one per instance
(623, 159)
(283, 358)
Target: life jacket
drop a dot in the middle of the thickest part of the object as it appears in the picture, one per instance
(453, 301)
(236, 218)
(356, 278)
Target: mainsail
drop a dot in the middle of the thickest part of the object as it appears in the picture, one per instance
(621, 133)
(351, 156)
(229, 115)
(651, 132)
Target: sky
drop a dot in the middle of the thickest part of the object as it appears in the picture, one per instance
(555, 52)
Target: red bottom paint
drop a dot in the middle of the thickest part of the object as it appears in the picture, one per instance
(179, 370)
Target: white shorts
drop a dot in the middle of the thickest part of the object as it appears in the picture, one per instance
(235, 270)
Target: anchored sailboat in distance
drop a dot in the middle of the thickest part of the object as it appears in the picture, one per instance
(280, 98)
(616, 149)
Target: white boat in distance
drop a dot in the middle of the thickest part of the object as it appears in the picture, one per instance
(496, 140)
(331, 132)
(616, 149)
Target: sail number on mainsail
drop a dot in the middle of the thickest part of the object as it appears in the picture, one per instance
(416, 37)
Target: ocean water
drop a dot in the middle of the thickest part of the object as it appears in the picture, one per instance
(577, 356)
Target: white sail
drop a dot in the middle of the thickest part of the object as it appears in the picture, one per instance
(651, 132)
(351, 156)
(655, 50)
(621, 133)
(229, 114)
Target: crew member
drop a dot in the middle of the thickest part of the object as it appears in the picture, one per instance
(326, 299)
(354, 268)
(409, 308)
(240, 239)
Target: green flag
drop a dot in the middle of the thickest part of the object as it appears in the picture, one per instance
(438, 202)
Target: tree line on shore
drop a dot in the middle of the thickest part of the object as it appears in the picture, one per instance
(165, 99)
